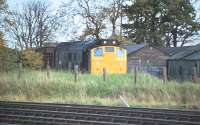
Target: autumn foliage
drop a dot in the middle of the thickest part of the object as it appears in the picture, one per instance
(31, 59)
(2, 51)
(8, 56)
(2, 42)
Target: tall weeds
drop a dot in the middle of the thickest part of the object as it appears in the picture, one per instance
(91, 89)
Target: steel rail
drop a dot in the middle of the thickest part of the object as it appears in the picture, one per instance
(197, 112)
(32, 120)
(96, 118)
(69, 114)
(147, 114)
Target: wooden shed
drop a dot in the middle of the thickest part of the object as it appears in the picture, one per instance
(185, 64)
(66, 54)
(147, 58)
(69, 54)
(48, 53)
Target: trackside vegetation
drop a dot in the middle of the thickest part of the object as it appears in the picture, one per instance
(92, 89)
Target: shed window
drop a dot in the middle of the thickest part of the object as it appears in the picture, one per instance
(120, 53)
(109, 49)
(98, 52)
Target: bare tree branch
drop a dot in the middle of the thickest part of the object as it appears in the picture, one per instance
(33, 25)
(114, 12)
(94, 20)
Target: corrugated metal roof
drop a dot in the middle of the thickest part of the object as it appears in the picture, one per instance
(173, 50)
(194, 56)
(187, 52)
(69, 43)
(134, 47)
(176, 51)
(77, 45)
(88, 44)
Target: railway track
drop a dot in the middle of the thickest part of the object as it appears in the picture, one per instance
(70, 114)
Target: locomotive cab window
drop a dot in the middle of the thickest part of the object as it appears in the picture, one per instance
(109, 49)
(120, 53)
(98, 52)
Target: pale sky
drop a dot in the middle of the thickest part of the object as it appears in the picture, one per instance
(54, 5)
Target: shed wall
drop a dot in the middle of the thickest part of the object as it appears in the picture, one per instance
(183, 69)
(66, 58)
(147, 58)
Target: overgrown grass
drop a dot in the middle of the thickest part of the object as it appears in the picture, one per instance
(91, 89)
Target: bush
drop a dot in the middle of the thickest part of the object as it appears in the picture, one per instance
(8, 56)
(31, 59)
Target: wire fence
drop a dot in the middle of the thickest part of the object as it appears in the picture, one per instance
(154, 71)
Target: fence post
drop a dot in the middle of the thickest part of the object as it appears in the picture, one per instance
(69, 66)
(168, 71)
(75, 73)
(164, 74)
(135, 74)
(20, 70)
(194, 74)
(48, 69)
(104, 74)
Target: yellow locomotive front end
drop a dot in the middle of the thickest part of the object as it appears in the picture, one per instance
(112, 58)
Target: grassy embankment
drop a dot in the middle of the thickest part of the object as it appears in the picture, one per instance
(91, 89)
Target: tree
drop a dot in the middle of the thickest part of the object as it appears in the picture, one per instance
(8, 57)
(3, 8)
(114, 12)
(2, 51)
(142, 14)
(67, 18)
(122, 39)
(161, 22)
(94, 19)
(2, 41)
(33, 25)
(31, 59)
(2, 48)
(181, 23)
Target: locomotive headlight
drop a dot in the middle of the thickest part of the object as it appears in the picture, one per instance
(114, 42)
(104, 42)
